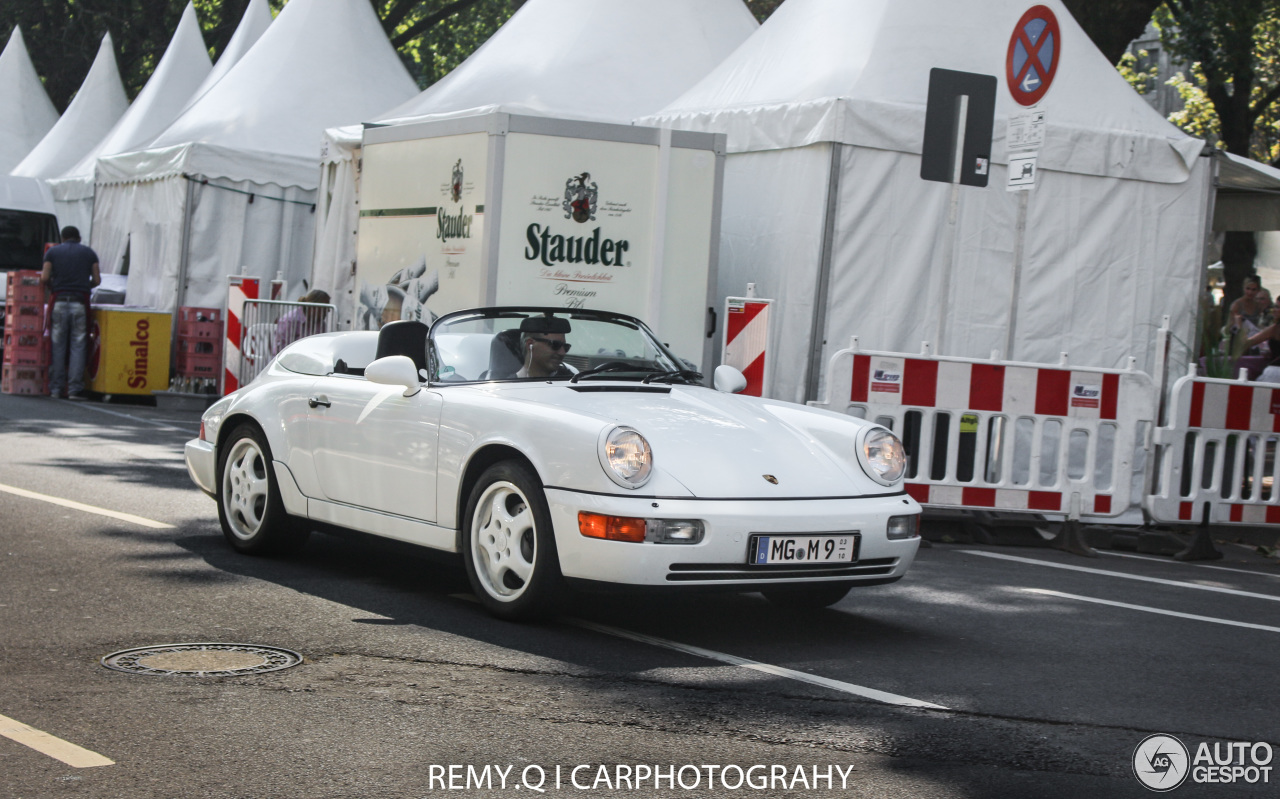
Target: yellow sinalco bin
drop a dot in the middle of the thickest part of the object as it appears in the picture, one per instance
(128, 350)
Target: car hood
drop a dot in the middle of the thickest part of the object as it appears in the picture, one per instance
(723, 445)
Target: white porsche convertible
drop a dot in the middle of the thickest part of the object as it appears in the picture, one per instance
(556, 449)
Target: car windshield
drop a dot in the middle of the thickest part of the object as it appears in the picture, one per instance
(548, 344)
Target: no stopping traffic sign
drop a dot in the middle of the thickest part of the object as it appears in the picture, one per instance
(1035, 48)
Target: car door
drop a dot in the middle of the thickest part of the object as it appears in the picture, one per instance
(373, 447)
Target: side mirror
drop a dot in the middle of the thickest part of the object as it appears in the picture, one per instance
(394, 370)
(727, 379)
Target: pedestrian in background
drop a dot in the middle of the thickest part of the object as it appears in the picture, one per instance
(70, 273)
(301, 322)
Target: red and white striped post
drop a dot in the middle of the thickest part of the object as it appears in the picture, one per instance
(746, 340)
(240, 289)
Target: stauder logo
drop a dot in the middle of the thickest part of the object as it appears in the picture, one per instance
(455, 185)
(581, 198)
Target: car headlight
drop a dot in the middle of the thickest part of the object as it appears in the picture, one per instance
(626, 457)
(883, 456)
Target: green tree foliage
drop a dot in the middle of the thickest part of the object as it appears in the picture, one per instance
(1232, 92)
(1112, 24)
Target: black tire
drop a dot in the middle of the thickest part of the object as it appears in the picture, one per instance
(508, 545)
(814, 596)
(250, 510)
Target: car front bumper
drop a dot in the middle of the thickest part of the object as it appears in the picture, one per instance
(720, 559)
(202, 465)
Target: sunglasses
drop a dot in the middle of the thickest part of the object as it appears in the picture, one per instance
(553, 344)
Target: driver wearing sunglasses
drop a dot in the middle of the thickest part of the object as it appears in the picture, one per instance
(543, 347)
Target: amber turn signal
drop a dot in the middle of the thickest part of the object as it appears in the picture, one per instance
(613, 528)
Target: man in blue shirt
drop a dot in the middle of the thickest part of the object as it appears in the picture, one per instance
(70, 272)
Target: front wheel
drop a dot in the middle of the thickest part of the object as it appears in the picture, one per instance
(252, 514)
(508, 545)
(813, 596)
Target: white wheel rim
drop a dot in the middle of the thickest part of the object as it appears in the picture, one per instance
(245, 489)
(504, 541)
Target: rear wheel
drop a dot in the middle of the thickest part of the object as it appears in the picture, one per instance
(252, 514)
(508, 545)
(814, 596)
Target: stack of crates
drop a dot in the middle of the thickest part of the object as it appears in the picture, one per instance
(26, 351)
(199, 361)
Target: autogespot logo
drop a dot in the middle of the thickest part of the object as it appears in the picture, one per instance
(1160, 762)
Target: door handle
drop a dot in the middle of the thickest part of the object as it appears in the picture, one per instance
(318, 401)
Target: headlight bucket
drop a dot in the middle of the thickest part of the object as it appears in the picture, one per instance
(882, 455)
(903, 527)
(626, 457)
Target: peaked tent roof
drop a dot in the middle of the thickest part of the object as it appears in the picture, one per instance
(321, 63)
(181, 70)
(586, 59)
(253, 23)
(28, 111)
(98, 105)
(857, 71)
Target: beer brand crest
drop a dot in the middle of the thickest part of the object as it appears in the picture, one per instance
(455, 186)
(581, 198)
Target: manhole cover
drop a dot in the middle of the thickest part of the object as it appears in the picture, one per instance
(202, 660)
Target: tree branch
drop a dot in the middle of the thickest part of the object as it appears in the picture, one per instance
(426, 23)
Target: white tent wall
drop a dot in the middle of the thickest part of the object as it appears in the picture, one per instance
(1114, 229)
(337, 216)
(266, 238)
(29, 114)
(772, 236)
(1103, 260)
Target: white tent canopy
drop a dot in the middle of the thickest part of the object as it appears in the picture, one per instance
(28, 112)
(96, 108)
(229, 187)
(824, 109)
(571, 59)
(253, 23)
(182, 68)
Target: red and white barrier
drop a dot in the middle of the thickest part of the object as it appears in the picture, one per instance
(241, 288)
(1004, 435)
(746, 341)
(1217, 456)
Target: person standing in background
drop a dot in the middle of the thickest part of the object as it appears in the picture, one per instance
(70, 273)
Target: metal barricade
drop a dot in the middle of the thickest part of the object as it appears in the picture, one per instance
(268, 326)
(1216, 458)
(1002, 435)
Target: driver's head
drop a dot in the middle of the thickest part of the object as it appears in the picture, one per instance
(542, 344)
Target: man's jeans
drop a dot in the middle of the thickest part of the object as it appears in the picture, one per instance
(69, 327)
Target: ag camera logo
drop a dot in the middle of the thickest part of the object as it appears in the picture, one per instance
(1160, 762)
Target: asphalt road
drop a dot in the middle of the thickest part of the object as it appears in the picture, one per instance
(1049, 669)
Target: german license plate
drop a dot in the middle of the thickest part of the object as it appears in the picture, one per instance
(767, 550)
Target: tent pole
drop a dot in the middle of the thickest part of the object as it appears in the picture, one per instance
(1019, 246)
(819, 328)
(180, 291)
(953, 221)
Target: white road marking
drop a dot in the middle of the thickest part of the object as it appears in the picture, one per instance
(68, 503)
(1087, 570)
(89, 407)
(778, 671)
(1146, 609)
(1184, 563)
(46, 744)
